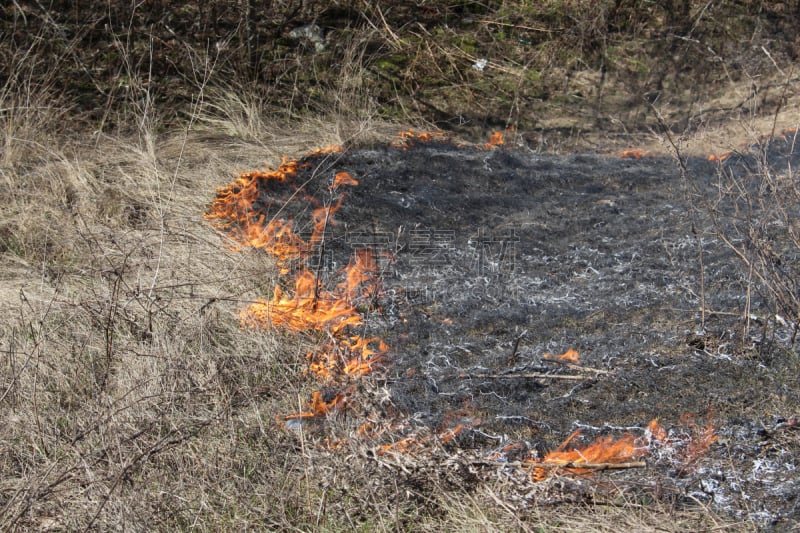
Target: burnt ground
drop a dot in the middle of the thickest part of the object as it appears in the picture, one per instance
(498, 257)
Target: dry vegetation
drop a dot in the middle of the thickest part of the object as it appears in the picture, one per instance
(130, 397)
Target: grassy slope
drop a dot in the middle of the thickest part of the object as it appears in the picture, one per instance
(129, 393)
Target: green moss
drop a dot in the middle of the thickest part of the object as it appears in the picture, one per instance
(392, 65)
(469, 45)
(533, 75)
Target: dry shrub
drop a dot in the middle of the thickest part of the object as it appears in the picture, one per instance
(754, 209)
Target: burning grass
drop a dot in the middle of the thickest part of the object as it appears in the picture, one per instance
(345, 357)
(309, 307)
(149, 403)
(610, 453)
(241, 210)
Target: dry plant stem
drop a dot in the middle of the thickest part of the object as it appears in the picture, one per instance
(593, 466)
(304, 455)
(581, 368)
(508, 509)
(746, 326)
(163, 444)
(568, 464)
(685, 178)
(531, 28)
(321, 256)
(758, 258)
(39, 335)
(513, 357)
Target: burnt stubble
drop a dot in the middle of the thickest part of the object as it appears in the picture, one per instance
(492, 258)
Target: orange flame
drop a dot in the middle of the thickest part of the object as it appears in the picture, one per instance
(369, 431)
(309, 306)
(319, 407)
(401, 446)
(632, 153)
(362, 271)
(330, 149)
(409, 137)
(321, 217)
(331, 443)
(657, 433)
(508, 449)
(783, 135)
(234, 203)
(718, 158)
(233, 210)
(451, 434)
(570, 356)
(413, 443)
(313, 308)
(351, 357)
(275, 237)
(698, 444)
(603, 451)
(761, 139)
(497, 139)
(343, 178)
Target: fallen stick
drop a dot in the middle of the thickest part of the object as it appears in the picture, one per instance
(573, 366)
(565, 465)
(530, 375)
(522, 375)
(589, 369)
(590, 466)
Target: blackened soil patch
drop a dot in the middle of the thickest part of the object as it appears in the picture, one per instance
(491, 259)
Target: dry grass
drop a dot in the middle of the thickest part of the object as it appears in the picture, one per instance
(485, 511)
(130, 394)
(114, 325)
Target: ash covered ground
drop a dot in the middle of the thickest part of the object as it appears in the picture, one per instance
(491, 259)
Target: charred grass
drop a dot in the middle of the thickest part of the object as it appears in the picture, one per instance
(131, 397)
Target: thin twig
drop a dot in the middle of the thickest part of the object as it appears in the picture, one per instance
(513, 356)
(695, 227)
(518, 26)
(527, 375)
(591, 466)
(564, 464)
(573, 366)
(321, 257)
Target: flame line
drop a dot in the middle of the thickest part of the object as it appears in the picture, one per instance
(302, 186)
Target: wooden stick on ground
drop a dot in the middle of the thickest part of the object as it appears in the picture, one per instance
(528, 375)
(591, 466)
(581, 368)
